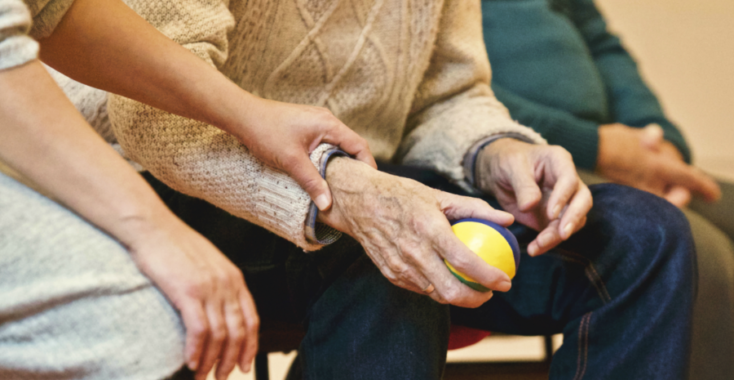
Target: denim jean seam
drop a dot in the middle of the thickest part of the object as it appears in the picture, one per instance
(583, 346)
(591, 274)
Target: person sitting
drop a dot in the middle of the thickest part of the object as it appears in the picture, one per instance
(97, 286)
(413, 79)
(560, 71)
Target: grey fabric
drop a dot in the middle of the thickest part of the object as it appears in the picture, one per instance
(73, 305)
(720, 213)
(712, 357)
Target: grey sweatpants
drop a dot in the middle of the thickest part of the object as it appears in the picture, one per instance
(73, 305)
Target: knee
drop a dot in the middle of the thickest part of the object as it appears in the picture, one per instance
(653, 236)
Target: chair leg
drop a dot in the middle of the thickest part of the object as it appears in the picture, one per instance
(262, 372)
(548, 340)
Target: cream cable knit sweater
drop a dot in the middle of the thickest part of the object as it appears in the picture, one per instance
(410, 76)
(16, 36)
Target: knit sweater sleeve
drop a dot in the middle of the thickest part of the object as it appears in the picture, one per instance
(16, 47)
(198, 159)
(632, 101)
(454, 106)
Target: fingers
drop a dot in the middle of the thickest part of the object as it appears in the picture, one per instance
(548, 238)
(215, 341)
(571, 220)
(577, 209)
(527, 192)
(350, 142)
(469, 263)
(691, 178)
(678, 195)
(197, 326)
(252, 329)
(457, 207)
(565, 188)
(651, 137)
(302, 170)
(235, 336)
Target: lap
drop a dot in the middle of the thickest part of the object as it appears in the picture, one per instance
(72, 302)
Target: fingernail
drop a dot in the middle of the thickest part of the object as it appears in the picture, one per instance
(322, 202)
(556, 211)
(192, 365)
(532, 250)
(568, 230)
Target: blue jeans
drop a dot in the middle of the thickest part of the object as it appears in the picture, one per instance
(621, 291)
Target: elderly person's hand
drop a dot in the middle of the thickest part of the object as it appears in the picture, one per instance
(641, 158)
(538, 184)
(404, 227)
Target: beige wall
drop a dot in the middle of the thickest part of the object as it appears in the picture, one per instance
(686, 52)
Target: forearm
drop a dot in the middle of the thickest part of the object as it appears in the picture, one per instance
(105, 44)
(632, 102)
(47, 141)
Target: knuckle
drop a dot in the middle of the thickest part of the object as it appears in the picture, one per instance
(199, 287)
(451, 294)
(219, 333)
(199, 330)
(398, 268)
(253, 324)
(222, 277)
(238, 334)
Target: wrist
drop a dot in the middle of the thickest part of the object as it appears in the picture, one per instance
(138, 224)
(486, 156)
(607, 153)
(349, 181)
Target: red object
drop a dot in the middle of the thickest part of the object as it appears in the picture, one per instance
(461, 336)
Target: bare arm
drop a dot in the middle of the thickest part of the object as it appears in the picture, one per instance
(105, 44)
(45, 139)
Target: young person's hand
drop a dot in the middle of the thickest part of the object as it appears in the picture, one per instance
(283, 135)
(641, 158)
(46, 140)
(538, 184)
(208, 290)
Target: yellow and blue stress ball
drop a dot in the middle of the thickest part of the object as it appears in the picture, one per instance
(493, 243)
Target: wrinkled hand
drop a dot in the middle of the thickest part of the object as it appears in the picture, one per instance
(641, 158)
(404, 227)
(538, 184)
(209, 291)
(283, 135)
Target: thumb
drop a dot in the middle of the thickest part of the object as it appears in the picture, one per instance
(678, 195)
(306, 175)
(651, 137)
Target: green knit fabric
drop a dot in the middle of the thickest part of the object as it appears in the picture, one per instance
(558, 70)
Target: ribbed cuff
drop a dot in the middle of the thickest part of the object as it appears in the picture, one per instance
(17, 50)
(319, 233)
(470, 159)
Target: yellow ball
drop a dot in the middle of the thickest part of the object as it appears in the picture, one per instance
(495, 244)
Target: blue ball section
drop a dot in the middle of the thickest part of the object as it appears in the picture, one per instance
(509, 236)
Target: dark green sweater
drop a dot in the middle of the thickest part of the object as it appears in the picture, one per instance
(558, 70)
